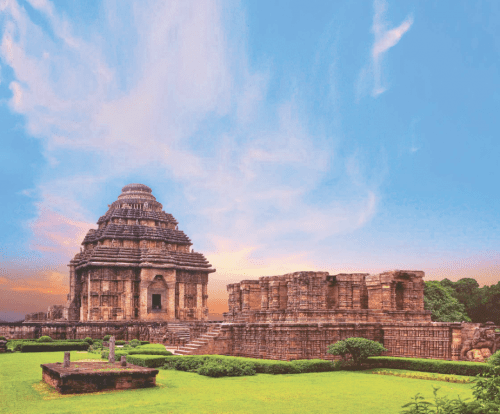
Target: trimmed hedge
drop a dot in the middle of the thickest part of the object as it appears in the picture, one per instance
(192, 363)
(144, 342)
(148, 361)
(54, 346)
(118, 354)
(120, 342)
(45, 338)
(151, 349)
(217, 369)
(431, 365)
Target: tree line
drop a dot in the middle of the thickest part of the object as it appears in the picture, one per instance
(463, 300)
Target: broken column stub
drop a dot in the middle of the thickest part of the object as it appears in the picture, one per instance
(66, 360)
(111, 349)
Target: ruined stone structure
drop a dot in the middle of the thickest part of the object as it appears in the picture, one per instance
(137, 266)
(298, 315)
(320, 297)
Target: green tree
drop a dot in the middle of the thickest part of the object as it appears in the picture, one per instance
(443, 304)
(359, 349)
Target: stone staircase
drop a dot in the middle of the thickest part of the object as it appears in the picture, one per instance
(181, 331)
(200, 344)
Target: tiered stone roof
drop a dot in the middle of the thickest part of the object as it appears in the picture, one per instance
(137, 232)
(151, 223)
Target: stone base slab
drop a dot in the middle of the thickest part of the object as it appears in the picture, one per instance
(83, 377)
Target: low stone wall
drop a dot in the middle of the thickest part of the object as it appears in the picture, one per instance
(307, 341)
(154, 332)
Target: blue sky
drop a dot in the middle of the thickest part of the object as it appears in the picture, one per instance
(282, 135)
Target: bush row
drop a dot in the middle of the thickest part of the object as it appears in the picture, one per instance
(431, 365)
(150, 349)
(54, 346)
(195, 362)
(148, 361)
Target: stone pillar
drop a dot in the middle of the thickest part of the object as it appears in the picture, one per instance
(171, 300)
(456, 343)
(111, 349)
(342, 295)
(199, 301)
(245, 303)
(264, 295)
(205, 295)
(72, 283)
(275, 295)
(356, 296)
(89, 298)
(304, 295)
(128, 300)
(123, 361)
(66, 359)
(182, 293)
(388, 291)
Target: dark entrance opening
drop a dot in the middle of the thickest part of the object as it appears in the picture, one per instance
(399, 296)
(156, 301)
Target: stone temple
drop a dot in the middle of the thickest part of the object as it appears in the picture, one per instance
(137, 265)
(137, 276)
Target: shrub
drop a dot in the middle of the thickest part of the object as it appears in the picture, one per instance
(134, 342)
(53, 347)
(148, 361)
(431, 365)
(118, 354)
(185, 363)
(151, 349)
(316, 365)
(144, 342)
(221, 368)
(359, 349)
(89, 340)
(3, 338)
(106, 338)
(494, 359)
(45, 339)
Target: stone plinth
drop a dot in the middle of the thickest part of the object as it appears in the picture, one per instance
(82, 377)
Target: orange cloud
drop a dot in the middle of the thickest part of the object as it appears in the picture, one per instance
(54, 232)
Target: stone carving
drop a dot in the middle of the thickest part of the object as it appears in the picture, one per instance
(481, 345)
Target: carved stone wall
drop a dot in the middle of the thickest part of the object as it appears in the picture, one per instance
(319, 297)
(155, 332)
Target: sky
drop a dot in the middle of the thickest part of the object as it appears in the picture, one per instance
(282, 135)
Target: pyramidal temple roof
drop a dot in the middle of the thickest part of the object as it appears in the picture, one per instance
(135, 231)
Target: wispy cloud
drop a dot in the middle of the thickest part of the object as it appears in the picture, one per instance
(384, 39)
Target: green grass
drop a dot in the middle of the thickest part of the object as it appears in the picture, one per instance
(21, 391)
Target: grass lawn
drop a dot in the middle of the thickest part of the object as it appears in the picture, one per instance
(22, 391)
